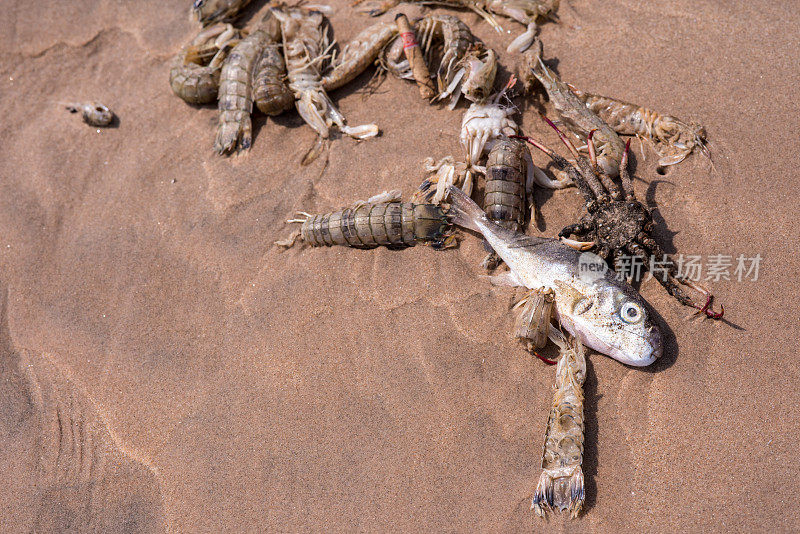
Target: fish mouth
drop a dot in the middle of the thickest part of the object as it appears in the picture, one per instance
(651, 351)
(638, 361)
(647, 351)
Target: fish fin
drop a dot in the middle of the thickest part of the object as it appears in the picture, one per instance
(527, 241)
(464, 210)
(508, 279)
(575, 297)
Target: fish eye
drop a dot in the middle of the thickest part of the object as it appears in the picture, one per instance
(630, 312)
(198, 4)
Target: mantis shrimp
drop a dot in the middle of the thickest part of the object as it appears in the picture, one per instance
(236, 87)
(561, 484)
(382, 220)
(672, 138)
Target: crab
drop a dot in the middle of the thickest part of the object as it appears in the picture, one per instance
(616, 223)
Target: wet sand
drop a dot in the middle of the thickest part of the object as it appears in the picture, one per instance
(241, 388)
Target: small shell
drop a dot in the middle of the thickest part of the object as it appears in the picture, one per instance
(93, 113)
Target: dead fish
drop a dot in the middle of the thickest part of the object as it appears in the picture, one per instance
(604, 313)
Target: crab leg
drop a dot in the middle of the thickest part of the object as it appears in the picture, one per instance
(564, 138)
(578, 229)
(588, 191)
(581, 246)
(707, 307)
(608, 183)
(592, 151)
(625, 176)
(586, 171)
(673, 278)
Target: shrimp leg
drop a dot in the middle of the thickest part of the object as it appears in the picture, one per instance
(533, 322)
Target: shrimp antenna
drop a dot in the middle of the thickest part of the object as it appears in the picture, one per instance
(563, 137)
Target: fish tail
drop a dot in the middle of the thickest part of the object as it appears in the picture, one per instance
(464, 211)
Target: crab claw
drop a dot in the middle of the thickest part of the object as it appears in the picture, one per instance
(578, 245)
(709, 311)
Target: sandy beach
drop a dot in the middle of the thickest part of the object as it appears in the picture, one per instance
(215, 383)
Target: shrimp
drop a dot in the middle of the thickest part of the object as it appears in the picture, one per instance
(93, 113)
(523, 11)
(506, 176)
(305, 44)
(193, 76)
(578, 117)
(209, 11)
(482, 124)
(510, 178)
(456, 41)
(561, 485)
(508, 183)
(383, 220)
(236, 94)
(271, 93)
(672, 138)
(358, 54)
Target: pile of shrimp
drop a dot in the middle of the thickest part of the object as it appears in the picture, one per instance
(288, 60)
(284, 61)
